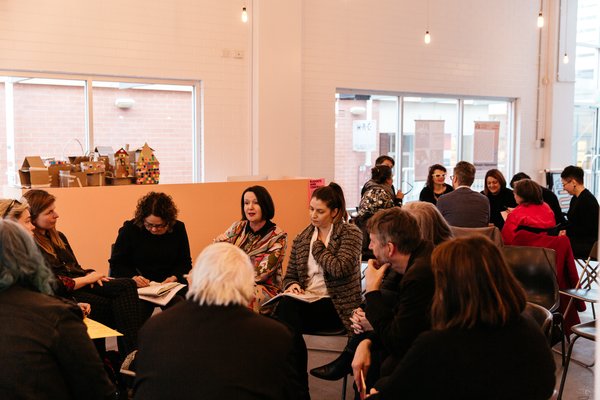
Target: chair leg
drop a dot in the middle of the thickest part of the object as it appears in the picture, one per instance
(344, 384)
(566, 368)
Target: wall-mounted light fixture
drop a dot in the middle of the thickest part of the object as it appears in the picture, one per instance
(244, 14)
(427, 38)
(124, 103)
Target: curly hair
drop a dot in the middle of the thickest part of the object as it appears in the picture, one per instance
(157, 204)
(429, 182)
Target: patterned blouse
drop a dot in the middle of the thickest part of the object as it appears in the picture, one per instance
(376, 198)
(266, 249)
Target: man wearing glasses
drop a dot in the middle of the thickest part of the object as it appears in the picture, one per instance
(582, 227)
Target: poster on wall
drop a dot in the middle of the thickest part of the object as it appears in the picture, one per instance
(485, 145)
(429, 146)
(314, 184)
(364, 135)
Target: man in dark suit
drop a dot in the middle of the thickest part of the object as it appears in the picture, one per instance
(464, 207)
(212, 346)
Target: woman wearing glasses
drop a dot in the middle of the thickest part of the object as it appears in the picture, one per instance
(154, 245)
(17, 211)
(114, 302)
(436, 184)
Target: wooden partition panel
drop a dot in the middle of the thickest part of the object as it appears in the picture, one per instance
(92, 216)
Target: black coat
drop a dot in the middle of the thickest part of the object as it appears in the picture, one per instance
(213, 352)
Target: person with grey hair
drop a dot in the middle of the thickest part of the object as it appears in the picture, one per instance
(212, 346)
(46, 352)
(434, 227)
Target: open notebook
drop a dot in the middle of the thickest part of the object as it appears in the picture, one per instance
(160, 293)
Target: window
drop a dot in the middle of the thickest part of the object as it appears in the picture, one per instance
(434, 130)
(56, 117)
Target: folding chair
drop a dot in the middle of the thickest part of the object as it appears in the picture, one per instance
(589, 277)
(586, 330)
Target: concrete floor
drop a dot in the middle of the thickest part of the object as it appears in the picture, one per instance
(579, 384)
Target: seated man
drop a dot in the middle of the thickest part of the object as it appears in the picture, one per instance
(399, 251)
(212, 346)
(582, 226)
(464, 207)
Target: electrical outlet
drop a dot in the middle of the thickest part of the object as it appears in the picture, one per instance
(238, 54)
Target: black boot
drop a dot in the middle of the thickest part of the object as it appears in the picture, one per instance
(336, 369)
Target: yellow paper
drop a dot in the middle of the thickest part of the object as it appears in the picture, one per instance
(96, 330)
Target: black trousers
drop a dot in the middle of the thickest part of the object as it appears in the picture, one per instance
(302, 317)
(117, 305)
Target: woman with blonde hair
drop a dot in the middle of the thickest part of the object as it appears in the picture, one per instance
(17, 210)
(434, 227)
(478, 330)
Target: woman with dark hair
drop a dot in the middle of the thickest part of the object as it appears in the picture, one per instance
(436, 185)
(378, 192)
(114, 302)
(154, 245)
(531, 211)
(478, 330)
(262, 240)
(322, 281)
(501, 198)
(46, 352)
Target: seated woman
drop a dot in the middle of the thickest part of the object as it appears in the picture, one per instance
(501, 198)
(153, 246)
(114, 302)
(478, 331)
(323, 269)
(378, 195)
(434, 227)
(436, 185)
(17, 210)
(531, 210)
(262, 240)
(46, 352)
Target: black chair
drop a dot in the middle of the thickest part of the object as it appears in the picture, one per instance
(542, 317)
(535, 269)
(491, 232)
(586, 330)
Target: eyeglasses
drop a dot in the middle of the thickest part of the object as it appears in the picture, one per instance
(439, 175)
(150, 226)
(451, 177)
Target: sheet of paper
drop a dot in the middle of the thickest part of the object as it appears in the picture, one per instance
(96, 330)
(165, 298)
(307, 297)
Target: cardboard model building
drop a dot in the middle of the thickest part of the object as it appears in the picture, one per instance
(122, 164)
(147, 170)
(34, 173)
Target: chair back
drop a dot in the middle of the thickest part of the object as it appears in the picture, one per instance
(491, 232)
(541, 316)
(535, 269)
(589, 274)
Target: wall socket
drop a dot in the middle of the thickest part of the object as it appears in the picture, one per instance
(232, 53)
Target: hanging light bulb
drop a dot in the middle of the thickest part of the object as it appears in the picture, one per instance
(565, 59)
(427, 37)
(244, 15)
(540, 20)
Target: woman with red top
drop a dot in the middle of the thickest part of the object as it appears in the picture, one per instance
(531, 211)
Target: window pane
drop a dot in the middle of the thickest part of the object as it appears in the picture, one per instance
(366, 127)
(428, 137)
(137, 113)
(486, 111)
(49, 117)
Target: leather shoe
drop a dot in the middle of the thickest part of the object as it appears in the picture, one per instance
(335, 370)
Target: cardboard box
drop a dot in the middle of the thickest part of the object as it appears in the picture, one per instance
(96, 179)
(33, 173)
(72, 179)
(54, 171)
